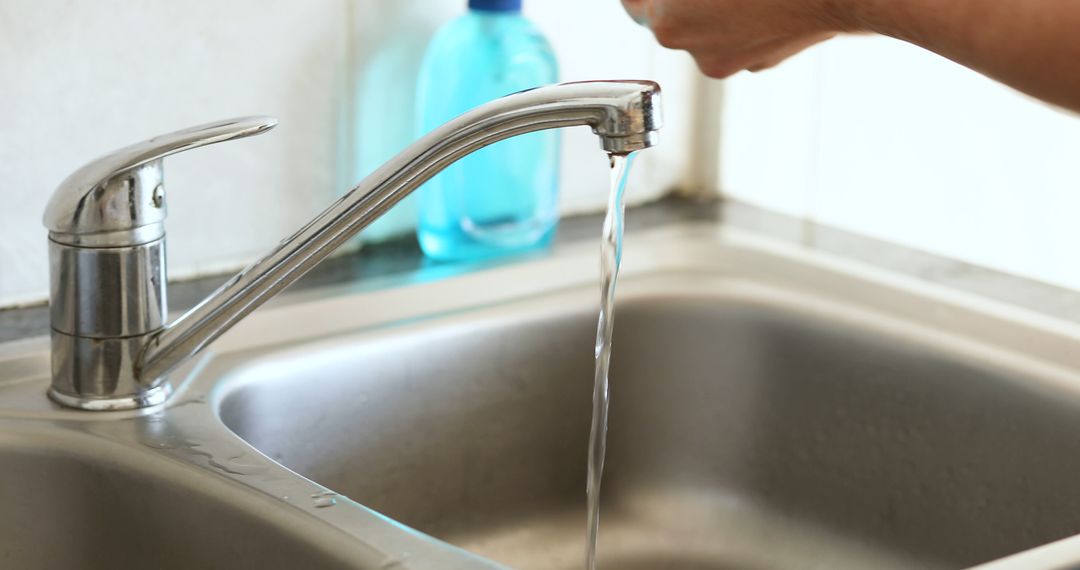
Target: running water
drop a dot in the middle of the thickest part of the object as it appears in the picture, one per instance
(610, 257)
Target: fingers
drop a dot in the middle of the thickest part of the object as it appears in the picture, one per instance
(728, 36)
(638, 10)
(723, 63)
(781, 54)
(718, 68)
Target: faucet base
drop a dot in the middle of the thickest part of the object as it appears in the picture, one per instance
(153, 397)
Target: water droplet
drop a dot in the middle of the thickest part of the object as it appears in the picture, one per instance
(232, 466)
(190, 401)
(324, 499)
(243, 465)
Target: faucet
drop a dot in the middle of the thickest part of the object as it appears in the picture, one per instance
(112, 348)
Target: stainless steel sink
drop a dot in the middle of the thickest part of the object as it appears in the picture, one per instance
(79, 502)
(767, 413)
(746, 432)
(772, 408)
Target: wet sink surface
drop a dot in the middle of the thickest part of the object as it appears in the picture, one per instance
(80, 504)
(750, 428)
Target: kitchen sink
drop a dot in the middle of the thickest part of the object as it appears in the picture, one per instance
(778, 415)
(772, 408)
(79, 502)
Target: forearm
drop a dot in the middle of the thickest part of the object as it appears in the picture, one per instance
(1032, 45)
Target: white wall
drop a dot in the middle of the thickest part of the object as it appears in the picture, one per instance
(883, 138)
(78, 79)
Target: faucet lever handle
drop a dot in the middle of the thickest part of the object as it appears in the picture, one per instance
(161, 146)
(118, 199)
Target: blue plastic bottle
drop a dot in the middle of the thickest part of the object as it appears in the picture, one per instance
(503, 198)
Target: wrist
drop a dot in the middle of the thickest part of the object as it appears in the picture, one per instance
(885, 17)
(844, 15)
(864, 16)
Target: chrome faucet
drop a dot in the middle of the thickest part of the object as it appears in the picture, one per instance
(111, 346)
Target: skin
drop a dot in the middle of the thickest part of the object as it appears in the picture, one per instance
(1031, 45)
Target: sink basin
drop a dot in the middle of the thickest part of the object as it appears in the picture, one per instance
(768, 411)
(772, 408)
(84, 503)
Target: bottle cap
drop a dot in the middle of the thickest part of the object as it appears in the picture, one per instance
(495, 5)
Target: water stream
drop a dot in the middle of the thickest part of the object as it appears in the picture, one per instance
(610, 258)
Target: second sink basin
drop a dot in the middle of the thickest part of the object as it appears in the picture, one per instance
(83, 502)
(770, 421)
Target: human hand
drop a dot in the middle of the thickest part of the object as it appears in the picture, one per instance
(728, 36)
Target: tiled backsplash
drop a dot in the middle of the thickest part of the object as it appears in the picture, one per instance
(78, 79)
(881, 138)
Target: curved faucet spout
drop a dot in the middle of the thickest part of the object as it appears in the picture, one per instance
(624, 114)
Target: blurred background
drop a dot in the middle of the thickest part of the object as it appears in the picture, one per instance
(864, 134)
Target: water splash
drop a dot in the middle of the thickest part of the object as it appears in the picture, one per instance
(323, 499)
(610, 259)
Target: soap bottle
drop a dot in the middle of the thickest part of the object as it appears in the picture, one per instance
(503, 198)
